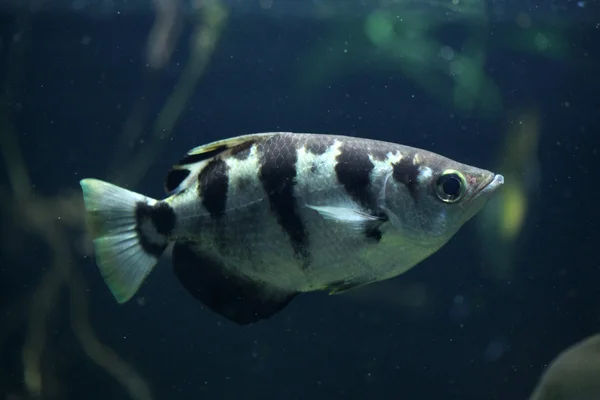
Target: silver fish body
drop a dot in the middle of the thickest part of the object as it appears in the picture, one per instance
(258, 219)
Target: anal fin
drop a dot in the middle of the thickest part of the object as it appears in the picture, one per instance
(235, 298)
(344, 286)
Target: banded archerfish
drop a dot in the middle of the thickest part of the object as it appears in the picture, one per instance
(256, 220)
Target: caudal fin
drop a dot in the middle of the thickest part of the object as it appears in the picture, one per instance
(126, 240)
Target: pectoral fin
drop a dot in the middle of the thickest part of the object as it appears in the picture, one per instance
(349, 215)
(352, 216)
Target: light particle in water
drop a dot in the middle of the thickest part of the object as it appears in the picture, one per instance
(447, 53)
(266, 4)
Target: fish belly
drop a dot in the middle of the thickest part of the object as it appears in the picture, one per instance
(249, 241)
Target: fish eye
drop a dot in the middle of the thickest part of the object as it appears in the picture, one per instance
(450, 186)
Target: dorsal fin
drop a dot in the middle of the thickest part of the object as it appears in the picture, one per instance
(182, 174)
(202, 153)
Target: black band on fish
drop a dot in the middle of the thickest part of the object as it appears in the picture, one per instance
(319, 144)
(278, 177)
(242, 150)
(153, 225)
(193, 162)
(372, 230)
(174, 178)
(214, 183)
(407, 173)
(353, 170)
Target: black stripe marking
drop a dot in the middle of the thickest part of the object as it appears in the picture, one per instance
(407, 173)
(278, 177)
(377, 149)
(242, 150)
(174, 178)
(194, 158)
(163, 219)
(372, 230)
(353, 170)
(213, 187)
(319, 144)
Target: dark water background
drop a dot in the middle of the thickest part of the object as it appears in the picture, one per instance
(81, 76)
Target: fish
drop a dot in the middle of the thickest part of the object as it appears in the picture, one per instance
(572, 374)
(258, 219)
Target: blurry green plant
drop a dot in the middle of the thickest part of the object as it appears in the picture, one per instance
(400, 36)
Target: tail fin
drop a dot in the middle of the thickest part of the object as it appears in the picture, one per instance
(126, 240)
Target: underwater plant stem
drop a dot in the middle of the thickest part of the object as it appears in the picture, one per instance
(11, 153)
(39, 216)
(212, 19)
(15, 164)
(165, 32)
(100, 354)
(42, 303)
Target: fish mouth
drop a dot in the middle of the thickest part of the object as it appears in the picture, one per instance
(489, 185)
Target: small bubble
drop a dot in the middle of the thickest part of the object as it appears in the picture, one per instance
(495, 350)
(78, 5)
(460, 309)
(523, 20)
(456, 67)
(541, 42)
(266, 4)
(447, 53)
